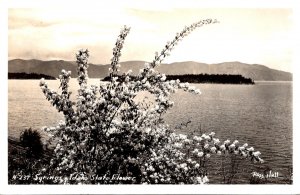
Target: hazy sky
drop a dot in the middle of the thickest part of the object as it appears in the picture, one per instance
(248, 35)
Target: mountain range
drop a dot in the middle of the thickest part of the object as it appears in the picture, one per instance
(53, 68)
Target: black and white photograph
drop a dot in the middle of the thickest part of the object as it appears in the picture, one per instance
(158, 93)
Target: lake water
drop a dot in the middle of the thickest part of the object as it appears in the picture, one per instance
(260, 115)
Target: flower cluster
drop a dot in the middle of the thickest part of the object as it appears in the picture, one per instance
(183, 159)
(117, 51)
(108, 132)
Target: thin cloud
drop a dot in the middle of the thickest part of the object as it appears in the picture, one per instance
(247, 35)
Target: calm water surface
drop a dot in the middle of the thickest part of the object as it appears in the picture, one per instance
(260, 115)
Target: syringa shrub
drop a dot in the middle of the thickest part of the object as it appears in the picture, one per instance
(107, 136)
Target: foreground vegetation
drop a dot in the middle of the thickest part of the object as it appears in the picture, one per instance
(26, 159)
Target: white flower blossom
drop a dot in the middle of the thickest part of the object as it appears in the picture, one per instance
(251, 149)
(216, 141)
(196, 138)
(213, 149)
(245, 145)
(182, 136)
(256, 154)
(178, 145)
(147, 130)
(147, 65)
(42, 81)
(200, 154)
(197, 91)
(242, 148)
(222, 147)
(206, 146)
(232, 146)
(163, 78)
(205, 179)
(227, 141)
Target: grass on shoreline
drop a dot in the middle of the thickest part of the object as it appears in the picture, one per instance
(21, 168)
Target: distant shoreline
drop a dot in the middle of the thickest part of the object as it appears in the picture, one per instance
(30, 76)
(212, 78)
(204, 78)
